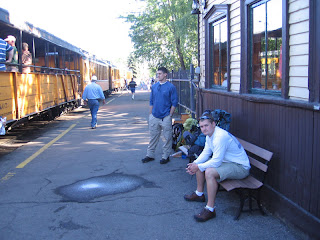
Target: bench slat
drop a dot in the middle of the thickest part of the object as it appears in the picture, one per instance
(257, 164)
(258, 151)
(249, 182)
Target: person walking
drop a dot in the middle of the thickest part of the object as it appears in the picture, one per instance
(91, 95)
(163, 101)
(132, 85)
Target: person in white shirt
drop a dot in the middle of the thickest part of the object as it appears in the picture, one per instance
(92, 94)
(228, 161)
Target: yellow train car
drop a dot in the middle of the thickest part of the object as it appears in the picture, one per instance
(129, 74)
(58, 75)
(120, 77)
(7, 97)
(24, 95)
(89, 67)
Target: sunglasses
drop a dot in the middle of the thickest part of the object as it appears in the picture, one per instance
(205, 117)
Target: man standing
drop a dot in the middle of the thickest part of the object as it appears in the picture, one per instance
(11, 40)
(5, 49)
(163, 101)
(92, 94)
(132, 85)
(229, 161)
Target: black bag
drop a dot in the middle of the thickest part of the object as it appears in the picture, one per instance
(194, 151)
(177, 130)
(222, 118)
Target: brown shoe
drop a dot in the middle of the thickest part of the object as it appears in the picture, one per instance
(205, 215)
(195, 198)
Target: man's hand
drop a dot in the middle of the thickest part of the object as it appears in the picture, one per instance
(104, 101)
(85, 103)
(192, 168)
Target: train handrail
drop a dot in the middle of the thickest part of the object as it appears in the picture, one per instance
(43, 67)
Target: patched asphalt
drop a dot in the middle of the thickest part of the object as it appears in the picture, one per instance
(91, 184)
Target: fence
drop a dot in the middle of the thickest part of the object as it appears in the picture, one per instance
(185, 84)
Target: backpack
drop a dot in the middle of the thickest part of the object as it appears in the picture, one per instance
(196, 139)
(222, 118)
(177, 130)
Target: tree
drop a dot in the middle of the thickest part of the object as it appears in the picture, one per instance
(165, 34)
(132, 64)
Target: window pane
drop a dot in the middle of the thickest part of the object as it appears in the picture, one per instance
(266, 45)
(216, 53)
(259, 44)
(274, 33)
(219, 52)
(224, 60)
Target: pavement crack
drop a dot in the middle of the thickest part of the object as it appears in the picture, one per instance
(40, 189)
(150, 215)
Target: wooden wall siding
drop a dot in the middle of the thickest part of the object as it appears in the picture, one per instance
(291, 133)
(315, 174)
(235, 46)
(299, 49)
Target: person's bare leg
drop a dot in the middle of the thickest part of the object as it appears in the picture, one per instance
(200, 181)
(211, 176)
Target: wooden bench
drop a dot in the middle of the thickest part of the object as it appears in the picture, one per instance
(249, 187)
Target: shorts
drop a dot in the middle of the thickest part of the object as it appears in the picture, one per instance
(133, 90)
(232, 171)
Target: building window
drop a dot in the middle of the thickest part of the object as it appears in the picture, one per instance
(265, 46)
(217, 47)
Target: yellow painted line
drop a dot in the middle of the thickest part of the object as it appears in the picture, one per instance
(8, 176)
(29, 159)
(114, 98)
(110, 100)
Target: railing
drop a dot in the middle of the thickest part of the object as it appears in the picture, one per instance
(43, 69)
(185, 84)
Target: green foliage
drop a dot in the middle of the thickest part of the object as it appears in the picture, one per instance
(165, 34)
(132, 64)
(189, 123)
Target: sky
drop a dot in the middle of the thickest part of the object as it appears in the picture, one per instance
(93, 25)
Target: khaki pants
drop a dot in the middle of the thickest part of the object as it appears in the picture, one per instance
(155, 127)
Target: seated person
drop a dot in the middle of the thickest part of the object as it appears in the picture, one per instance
(229, 161)
(225, 81)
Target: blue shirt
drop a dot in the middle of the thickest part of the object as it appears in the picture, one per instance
(162, 98)
(93, 91)
(132, 84)
(4, 48)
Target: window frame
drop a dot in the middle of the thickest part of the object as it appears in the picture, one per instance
(245, 86)
(209, 19)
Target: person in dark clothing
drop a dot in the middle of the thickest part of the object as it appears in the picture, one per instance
(132, 86)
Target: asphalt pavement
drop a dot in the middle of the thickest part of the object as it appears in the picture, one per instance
(75, 182)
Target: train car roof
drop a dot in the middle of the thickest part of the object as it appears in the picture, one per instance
(37, 32)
